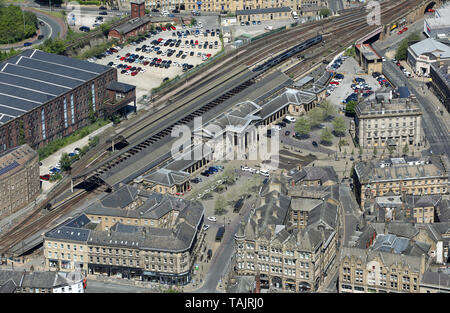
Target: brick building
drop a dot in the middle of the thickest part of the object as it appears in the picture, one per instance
(45, 96)
(19, 178)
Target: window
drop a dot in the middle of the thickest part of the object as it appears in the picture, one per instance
(72, 109)
(93, 96)
(65, 113)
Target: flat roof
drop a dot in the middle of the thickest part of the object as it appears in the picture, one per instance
(368, 52)
(34, 77)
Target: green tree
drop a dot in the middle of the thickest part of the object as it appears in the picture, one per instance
(326, 136)
(328, 109)
(193, 21)
(55, 176)
(219, 205)
(405, 149)
(324, 12)
(350, 108)
(402, 50)
(391, 150)
(339, 125)
(302, 126)
(65, 162)
(316, 116)
(15, 26)
(56, 46)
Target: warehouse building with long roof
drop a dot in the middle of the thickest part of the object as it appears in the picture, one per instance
(45, 96)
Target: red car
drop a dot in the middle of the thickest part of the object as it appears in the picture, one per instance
(208, 55)
(334, 83)
(196, 42)
(45, 177)
(158, 61)
(160, 39)
(114, 50)
(404, 29)
(164, 28)
(122, 58)
(128, 67)
(127, 55)
(146, 62)
(173, 27)
(400, 32)
(134, 73)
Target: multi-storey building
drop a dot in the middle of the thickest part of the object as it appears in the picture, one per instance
(406, 175)
(315, 176)
(303, 7)
(384, 123)
(283, 255)
(47, 96)
(19, 178)
(440, 81)
(133, 234)
(376, 271)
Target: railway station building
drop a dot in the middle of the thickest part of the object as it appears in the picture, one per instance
(131, 233)
(46, 96)
(264, 14)
(19, 178)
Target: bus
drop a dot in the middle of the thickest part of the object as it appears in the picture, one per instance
(238, 205)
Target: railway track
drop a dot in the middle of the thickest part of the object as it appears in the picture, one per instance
(257, 52)
(38, 222)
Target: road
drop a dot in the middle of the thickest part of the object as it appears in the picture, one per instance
(94, 286)
(433, 127)
(351, 212)
(222, 258)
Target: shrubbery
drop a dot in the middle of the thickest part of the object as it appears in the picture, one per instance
(12, 27)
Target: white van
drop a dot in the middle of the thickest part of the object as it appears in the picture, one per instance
(268, 28)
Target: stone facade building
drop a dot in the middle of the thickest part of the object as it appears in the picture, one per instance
(19, 178)
(398, 176)
(131, 233)
(368, 271)
(282, 255)
(385, 123)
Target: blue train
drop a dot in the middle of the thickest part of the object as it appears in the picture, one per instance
(294, 50)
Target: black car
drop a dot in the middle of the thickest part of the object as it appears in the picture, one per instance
(287, 133)
(165, 79)
(123, 71)
(103, 13)
(314, 144)
(196, 180)
(40, 37)
(137, 49)
(110, 63)
(213, 34)
(84, 29)
(205, 173)
(247, 23)
(133, 69)
(175, 11)
(285, 120)
(192, 53)
(155, 10)
(102, 8)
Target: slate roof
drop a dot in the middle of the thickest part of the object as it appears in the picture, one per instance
(436, 279)
(33, 78)
(433, 46)
(167, 177)
(388, 259)
(12, 279)
(132, 24)
(69, 233)
(321, 173)
(120, 87)
(13, 160)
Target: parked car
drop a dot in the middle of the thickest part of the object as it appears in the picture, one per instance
(45, 177)
(314, 144)
(212, 218)
(206, 226)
